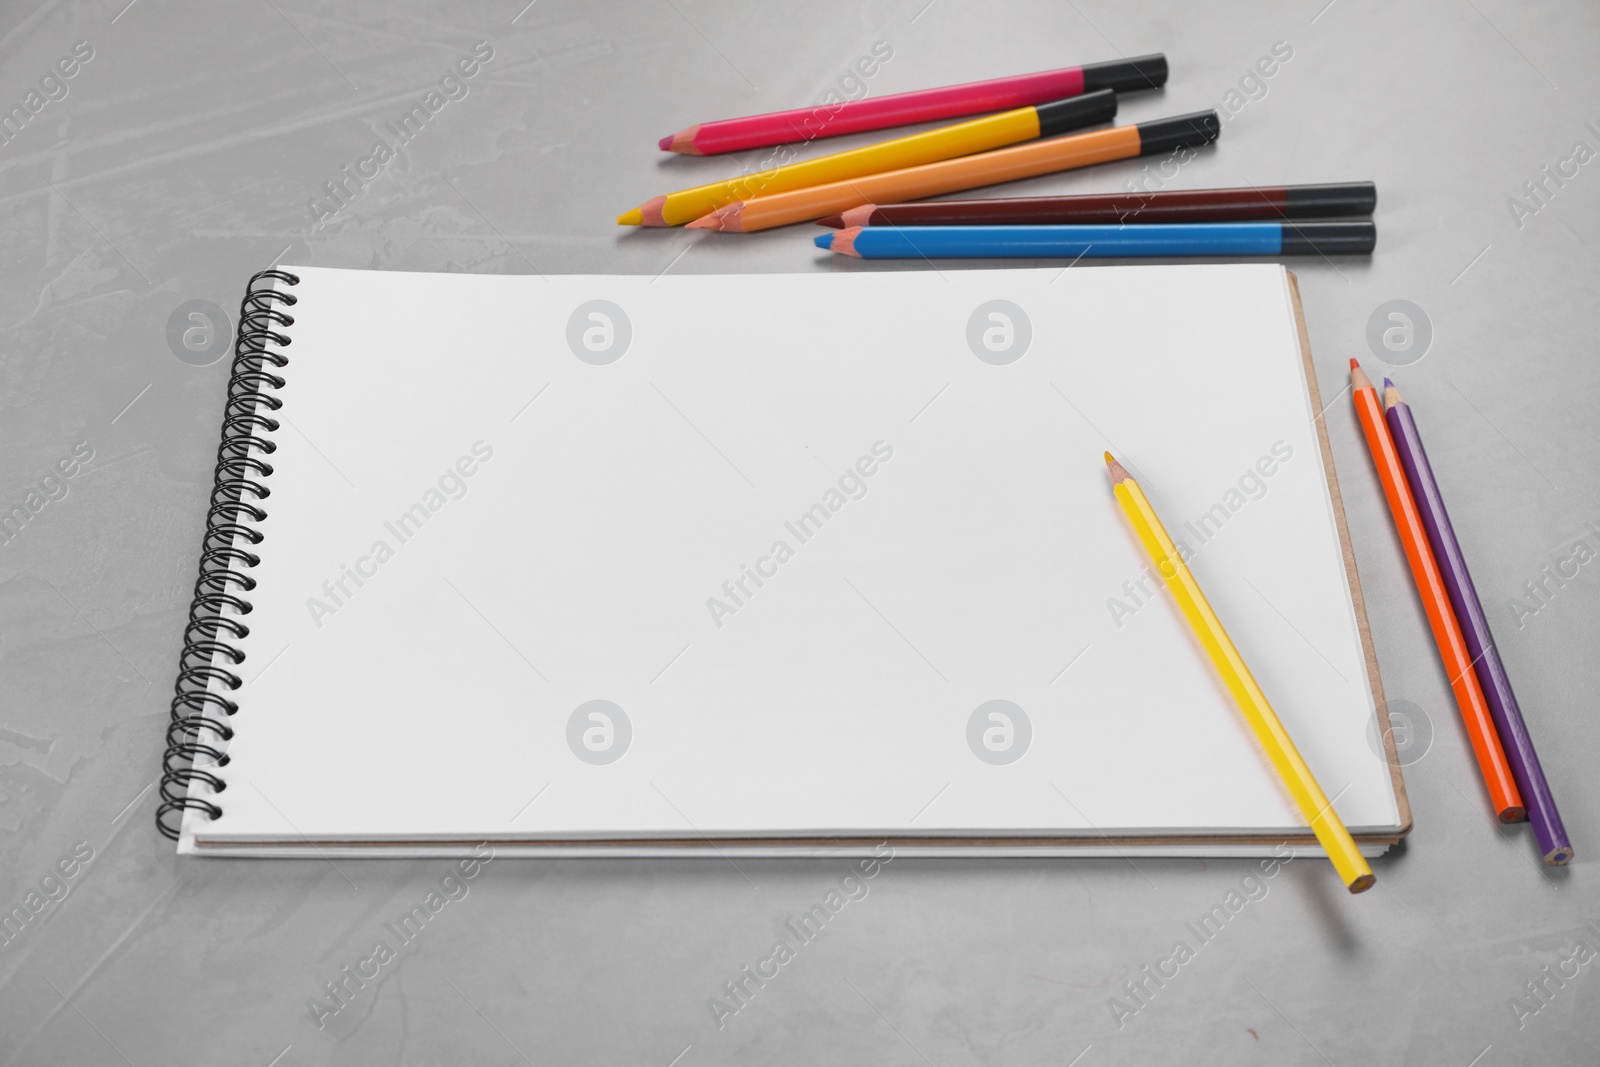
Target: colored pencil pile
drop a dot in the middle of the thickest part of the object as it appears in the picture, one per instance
(1032, 124)
(875, 200)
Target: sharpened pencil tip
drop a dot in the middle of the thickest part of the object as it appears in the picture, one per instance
(631, 218)
(1358, 377)
(835, 221)
(860, 215)
(725, 219)
(653, 212)
(1110, 459)
(682, 141)
(1391, 395)
(1115, 470)
(844, 241)
(824, 240)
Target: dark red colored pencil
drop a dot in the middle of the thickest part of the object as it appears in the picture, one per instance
(1247, 204)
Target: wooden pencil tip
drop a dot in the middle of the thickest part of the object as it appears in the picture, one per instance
(651, 212)
(1117, 471)
(682, 142)
(836, 221)
(824, 240)
(1387, 384)
(861, 215)
(631, 218)
(1358, 377)
(844, 241)
(724, 219)
(1110, 459)
(1363, 883)
(1391, 395)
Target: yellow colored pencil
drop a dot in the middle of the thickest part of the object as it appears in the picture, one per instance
(946, 142)
(1297, 777)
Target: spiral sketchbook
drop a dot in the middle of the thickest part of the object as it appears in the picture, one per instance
(766, 564)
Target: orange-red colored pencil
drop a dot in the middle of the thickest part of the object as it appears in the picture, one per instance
(1497, 777)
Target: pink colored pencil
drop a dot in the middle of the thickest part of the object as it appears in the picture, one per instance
(925, 105)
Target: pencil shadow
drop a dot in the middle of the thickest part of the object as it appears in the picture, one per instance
(648, 233)
(1317, 889)
(1509, 832)
(1557, 876)
(726, 166)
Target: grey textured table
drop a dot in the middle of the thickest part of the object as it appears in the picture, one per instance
(183, 154)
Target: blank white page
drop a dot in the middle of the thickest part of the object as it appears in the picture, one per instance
(571, 526)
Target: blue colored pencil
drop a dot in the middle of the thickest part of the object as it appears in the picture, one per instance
(1152, 239)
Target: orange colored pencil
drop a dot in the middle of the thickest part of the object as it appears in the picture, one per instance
(968, 172)
(1425, 572)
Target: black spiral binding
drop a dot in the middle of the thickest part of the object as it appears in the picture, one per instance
(197, 728)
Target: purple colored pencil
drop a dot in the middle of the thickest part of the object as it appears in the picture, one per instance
(1525, 767)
